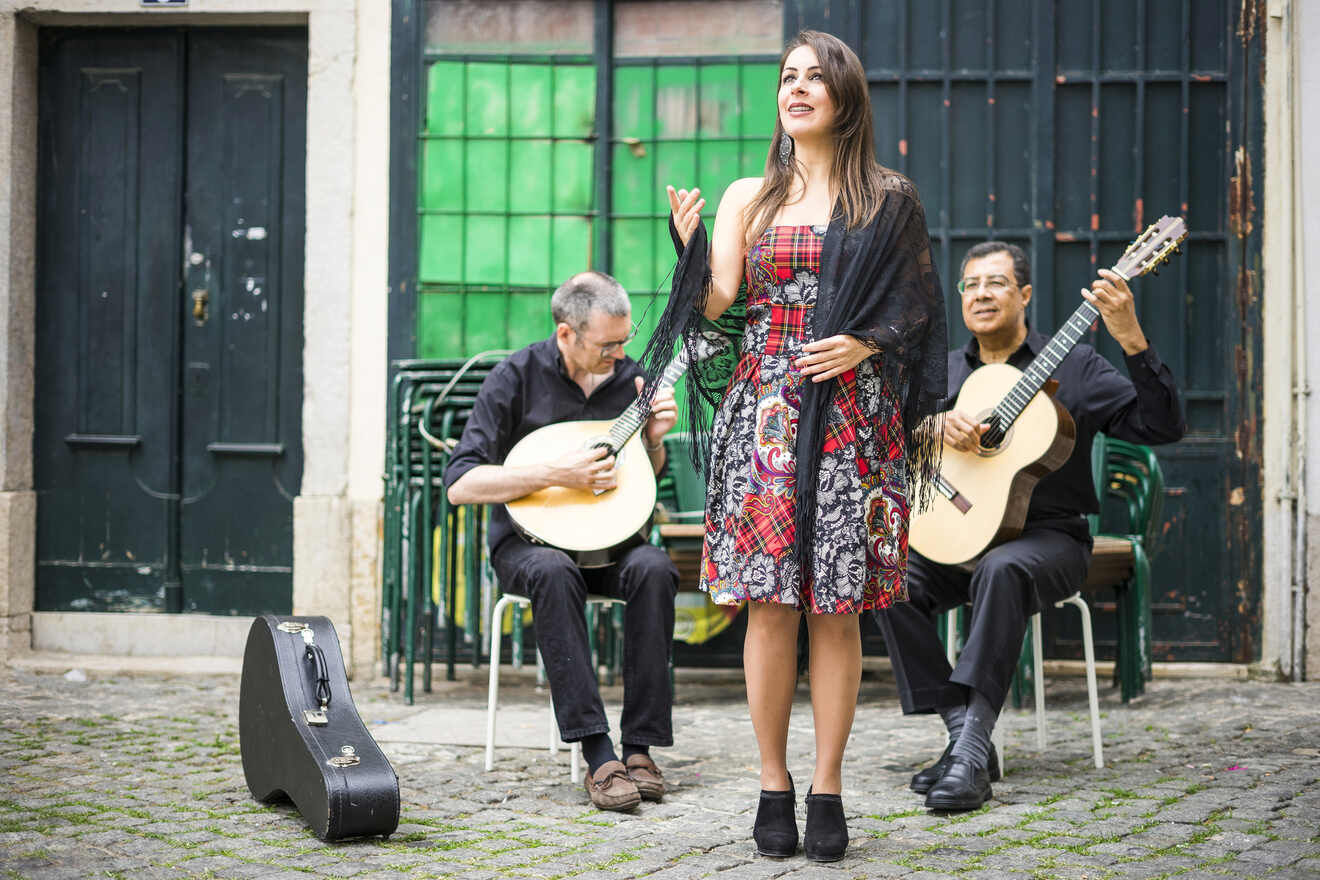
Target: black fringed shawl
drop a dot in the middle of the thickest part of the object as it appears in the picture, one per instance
(878, 284)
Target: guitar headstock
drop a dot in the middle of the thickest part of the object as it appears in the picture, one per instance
(1152, 247)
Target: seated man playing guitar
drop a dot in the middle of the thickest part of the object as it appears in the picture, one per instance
(581, 372)
(1049, 560)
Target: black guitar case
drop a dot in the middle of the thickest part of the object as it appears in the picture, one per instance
(300, 734)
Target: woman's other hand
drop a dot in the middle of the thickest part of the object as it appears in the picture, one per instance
(832, 356)
(686, 208)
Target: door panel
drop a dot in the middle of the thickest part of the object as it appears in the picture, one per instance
(242, 338)
(110, 177)
(155, 146)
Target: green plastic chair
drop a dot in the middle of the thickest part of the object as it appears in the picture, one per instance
(1130, 473)
(429, 401)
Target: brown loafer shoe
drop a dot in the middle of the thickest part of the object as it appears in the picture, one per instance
(646, 776)
(611, 789)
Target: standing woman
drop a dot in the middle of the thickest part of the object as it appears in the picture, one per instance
(823, 431)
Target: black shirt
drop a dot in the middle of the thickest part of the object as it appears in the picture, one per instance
(529, 390)
(1145, 409)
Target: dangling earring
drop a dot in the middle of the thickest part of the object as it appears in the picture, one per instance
(785, 149)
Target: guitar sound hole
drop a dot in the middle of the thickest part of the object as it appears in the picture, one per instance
(995, 439)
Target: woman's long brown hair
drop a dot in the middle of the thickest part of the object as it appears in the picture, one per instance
(856, 174)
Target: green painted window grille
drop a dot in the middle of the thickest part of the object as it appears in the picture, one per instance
(507, 188)
(506, 197)
(687, 122)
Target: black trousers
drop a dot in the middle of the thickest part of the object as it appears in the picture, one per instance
(646, 579)
(1008, 585)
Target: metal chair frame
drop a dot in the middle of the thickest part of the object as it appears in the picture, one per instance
(593, 604)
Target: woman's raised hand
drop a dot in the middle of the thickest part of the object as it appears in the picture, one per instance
(686, 208)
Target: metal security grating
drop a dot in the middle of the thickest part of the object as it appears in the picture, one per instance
(952, 94)
(1067, 127)
(505, 196)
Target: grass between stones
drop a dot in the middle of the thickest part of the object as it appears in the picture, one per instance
(901, 814)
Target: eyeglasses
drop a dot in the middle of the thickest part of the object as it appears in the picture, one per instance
(609, 348)
(995, 284)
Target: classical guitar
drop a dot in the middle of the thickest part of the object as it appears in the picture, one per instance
(982, 495)
(592, 526)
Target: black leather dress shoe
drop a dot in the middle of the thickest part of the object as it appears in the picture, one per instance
(923, 779)
(962, 787)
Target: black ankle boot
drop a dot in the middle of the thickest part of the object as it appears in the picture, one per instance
(826, 839)
(776, 831)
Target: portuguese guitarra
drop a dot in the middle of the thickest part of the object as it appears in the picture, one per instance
(592, 526)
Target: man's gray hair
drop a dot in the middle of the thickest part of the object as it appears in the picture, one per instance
(588, 292)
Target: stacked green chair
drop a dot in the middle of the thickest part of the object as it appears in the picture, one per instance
(1129, 474)
(429, 403)
(1134, 478)
(431, 543)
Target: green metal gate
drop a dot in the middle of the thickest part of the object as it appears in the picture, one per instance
(1066, 127)
(1063, 126)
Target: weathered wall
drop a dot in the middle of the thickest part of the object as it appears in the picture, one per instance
(1290, 471)
(1307, 255)
(18, 118)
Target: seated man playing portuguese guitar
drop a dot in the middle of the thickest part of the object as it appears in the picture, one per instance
(580, 373)
(1048, 561)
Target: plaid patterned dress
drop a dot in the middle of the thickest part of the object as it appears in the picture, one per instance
(861, 541)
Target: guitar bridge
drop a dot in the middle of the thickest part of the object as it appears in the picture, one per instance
(956, 498)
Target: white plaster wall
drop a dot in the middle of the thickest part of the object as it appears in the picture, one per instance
(321, 548)
(17, 305)
(369, 323)
(1290, 474)
(1307, 106)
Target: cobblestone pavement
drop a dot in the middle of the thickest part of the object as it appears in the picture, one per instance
(140, 777)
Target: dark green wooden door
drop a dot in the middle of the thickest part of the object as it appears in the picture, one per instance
(1066, 127)
(169, 318)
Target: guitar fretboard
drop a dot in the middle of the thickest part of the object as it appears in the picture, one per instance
(1043, 366)
(635, 415)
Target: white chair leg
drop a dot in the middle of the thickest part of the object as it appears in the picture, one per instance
(554, 727)
(997, 739)
(574, 763)
(1038, 686)
(492, 698)
(1092, 693)
(951, 636)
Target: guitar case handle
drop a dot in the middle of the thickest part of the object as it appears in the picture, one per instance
(316, 657)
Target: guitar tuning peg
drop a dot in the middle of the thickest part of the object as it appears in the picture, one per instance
(1156, 270)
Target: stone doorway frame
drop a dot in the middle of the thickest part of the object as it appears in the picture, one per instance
(337, 512)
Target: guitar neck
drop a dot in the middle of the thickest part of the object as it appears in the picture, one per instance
(1146, 252)
(628, 424)
(1044, 364)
